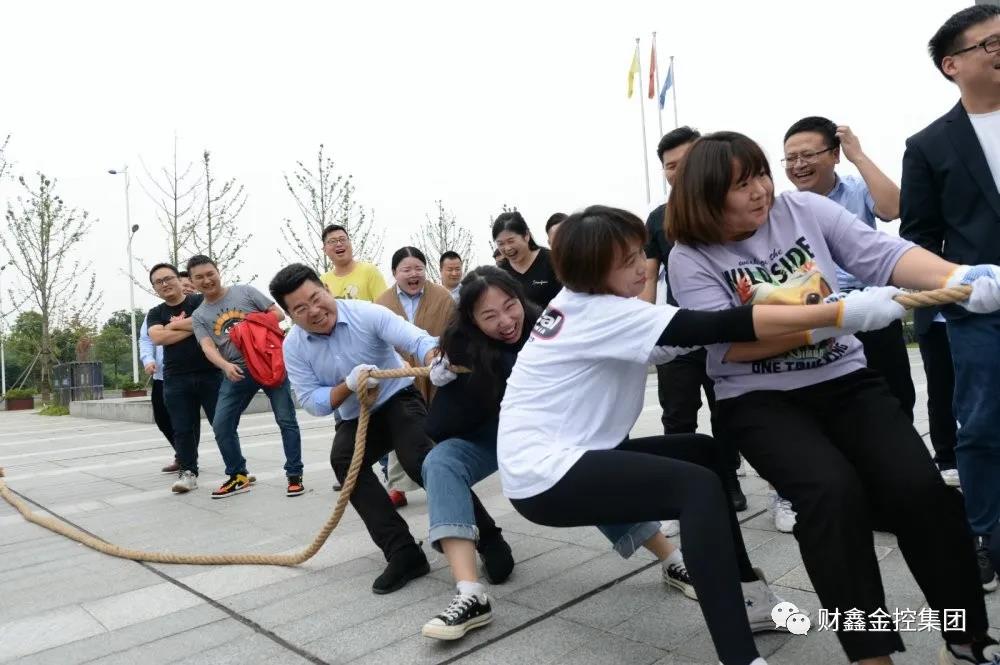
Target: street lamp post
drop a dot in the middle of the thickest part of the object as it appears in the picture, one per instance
(130, 230)
(3, 359)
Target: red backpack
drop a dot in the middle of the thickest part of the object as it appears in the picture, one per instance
(259, 338)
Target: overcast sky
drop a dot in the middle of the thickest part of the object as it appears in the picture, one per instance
(475, 104)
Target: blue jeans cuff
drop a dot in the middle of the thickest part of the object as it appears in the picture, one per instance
(635, 537)
(463, 531)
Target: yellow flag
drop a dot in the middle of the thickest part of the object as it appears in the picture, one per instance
(633, 71)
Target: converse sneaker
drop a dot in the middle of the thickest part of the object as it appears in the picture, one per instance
(987, 574)
(465, 612)
(186, 481)
(760, 600)
(237, 484)
(983, 652)
(784, 516)
(676, 575)
(670, 528)
(950, 477)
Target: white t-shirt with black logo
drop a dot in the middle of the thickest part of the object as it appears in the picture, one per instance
(987, 128)
(578, 385)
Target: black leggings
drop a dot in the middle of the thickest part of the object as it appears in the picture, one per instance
(657, 478)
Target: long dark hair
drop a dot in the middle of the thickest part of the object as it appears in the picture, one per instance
(465, 344)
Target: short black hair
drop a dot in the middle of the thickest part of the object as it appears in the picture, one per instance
(555, 219)
(816, 123)
(945, 40)
(513, 221)
(674, 138)
(330, 228)
(290, 278)
(406, 252)
(184, 274)
(200, 260)
(159, 266)
(448, 255)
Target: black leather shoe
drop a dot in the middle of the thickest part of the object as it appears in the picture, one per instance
(407, 564)
(738, 499)
(498, 562)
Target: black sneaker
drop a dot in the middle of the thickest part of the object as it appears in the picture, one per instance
(464, 613)
(498, 562)
(983, 652)
(987, 574)
(677, 576)
(407, 564)
(738, 499)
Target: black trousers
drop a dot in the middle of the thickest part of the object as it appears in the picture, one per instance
(936, 353)
(160, 414)
(843, 453)
(665, 477)
(885, 350)
(679, 386)
(186, 395)
(396, 425)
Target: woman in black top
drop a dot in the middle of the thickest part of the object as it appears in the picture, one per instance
(493, 323)
(526, 262)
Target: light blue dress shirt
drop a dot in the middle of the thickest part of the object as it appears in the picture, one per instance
(409, 303)
(149, 352)
(365, 334)
(852, 193)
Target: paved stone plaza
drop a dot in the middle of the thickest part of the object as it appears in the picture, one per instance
(570, 599)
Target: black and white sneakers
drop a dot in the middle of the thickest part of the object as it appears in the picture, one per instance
(676, 575)
(985, 652)
(465, 612)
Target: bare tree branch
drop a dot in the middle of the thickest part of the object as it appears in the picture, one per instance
(215, 228)
(440, 234)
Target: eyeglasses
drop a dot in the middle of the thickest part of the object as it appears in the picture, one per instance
(333, 242)
(990, 45)
(807, 157)
(163, 281)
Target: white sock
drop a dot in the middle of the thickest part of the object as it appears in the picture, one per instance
(758, 661)
(472, 589)
(676, 557)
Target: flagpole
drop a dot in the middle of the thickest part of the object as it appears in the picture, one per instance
(674, 86)
(659, 109)
(642, 117)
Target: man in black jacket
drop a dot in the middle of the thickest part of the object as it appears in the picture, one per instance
(951, 205)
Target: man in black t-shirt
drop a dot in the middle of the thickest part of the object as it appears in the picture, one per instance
(190, 381)
(681, 380)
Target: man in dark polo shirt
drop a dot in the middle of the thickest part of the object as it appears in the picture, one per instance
(682, 379)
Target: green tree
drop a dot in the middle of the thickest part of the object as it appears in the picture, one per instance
(120, 319)
(323, 197)
(111, 347)
(41, 236)
(442, 233)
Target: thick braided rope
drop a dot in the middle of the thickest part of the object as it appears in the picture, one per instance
(945, 296)
(291, 559)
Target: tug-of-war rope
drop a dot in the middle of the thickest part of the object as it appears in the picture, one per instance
(909, 300)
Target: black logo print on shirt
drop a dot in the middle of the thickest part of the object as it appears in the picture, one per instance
(549, 324)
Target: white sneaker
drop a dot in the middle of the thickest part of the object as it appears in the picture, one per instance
(784, 516)
(950, 477)
(186, 481)
(670, 528)
(760, 600)
(741, 470)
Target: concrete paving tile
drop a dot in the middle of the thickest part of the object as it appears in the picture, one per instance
(613, 606)
(544, 594)
(543, 643)
(45, 631)
(606, 649)
(141, 605)
(178, 646)
(242, 651)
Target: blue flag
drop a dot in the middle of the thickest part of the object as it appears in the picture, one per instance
(667, 83)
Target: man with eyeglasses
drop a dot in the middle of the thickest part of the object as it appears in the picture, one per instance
(349, 279)
(190, 382)
(951, 206)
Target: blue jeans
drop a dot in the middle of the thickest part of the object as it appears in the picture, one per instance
(233, 400)
(975, 351)
(451, 469)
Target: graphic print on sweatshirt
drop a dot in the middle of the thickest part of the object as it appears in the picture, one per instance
(790, 277)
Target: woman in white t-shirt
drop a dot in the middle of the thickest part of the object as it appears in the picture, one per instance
(577, 389)
(810, 417)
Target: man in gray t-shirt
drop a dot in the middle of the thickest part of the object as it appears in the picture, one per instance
(223, 308)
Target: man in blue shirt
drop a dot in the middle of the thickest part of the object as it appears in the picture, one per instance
(332, 342)
(812, 151)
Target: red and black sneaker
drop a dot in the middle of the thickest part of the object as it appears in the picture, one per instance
(237, 484)
(295, 486)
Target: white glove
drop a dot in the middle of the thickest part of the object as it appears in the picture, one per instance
(867, 309)
(352, 378)
(440, 373)
(664, 354)
(985, 282)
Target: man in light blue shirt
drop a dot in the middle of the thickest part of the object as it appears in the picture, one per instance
(812, 150)
(332, 342)
(151, 356)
